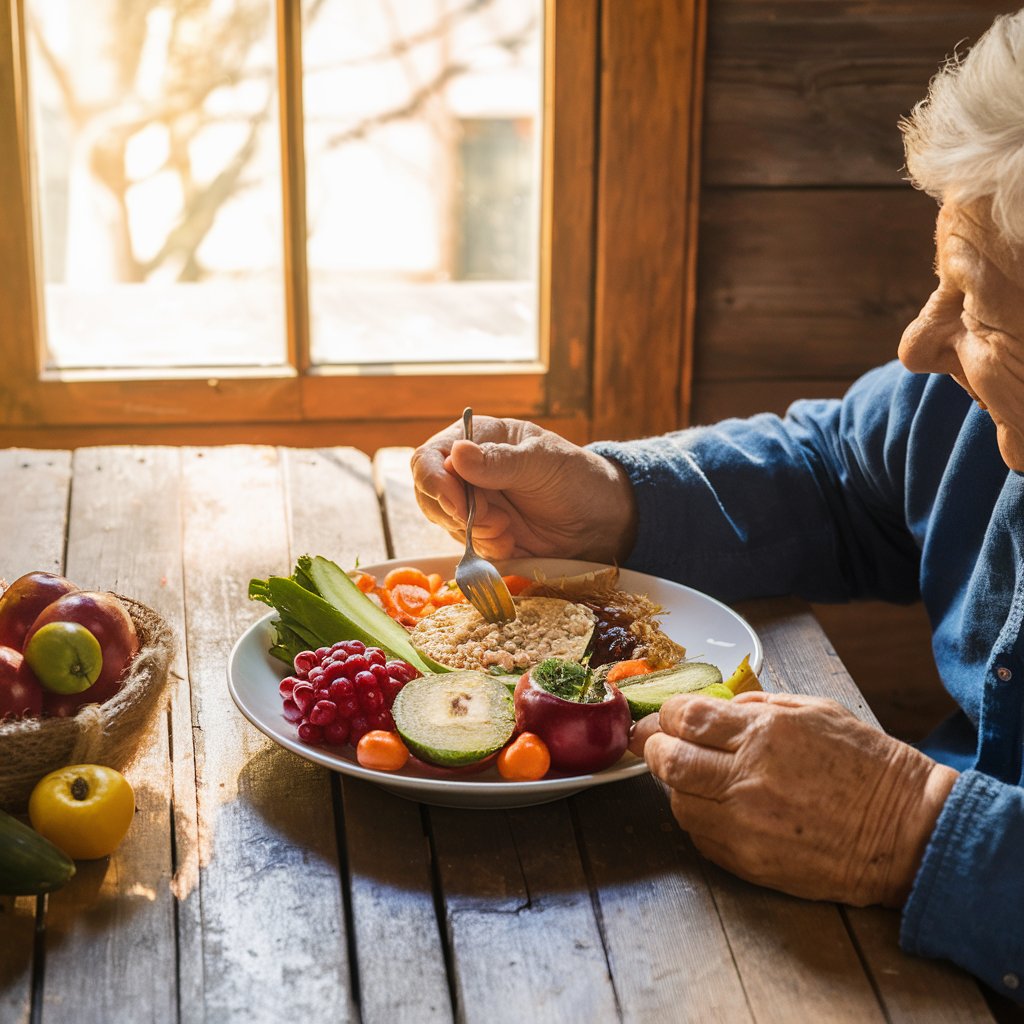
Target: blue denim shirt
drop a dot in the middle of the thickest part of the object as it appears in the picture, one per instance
(898, 492)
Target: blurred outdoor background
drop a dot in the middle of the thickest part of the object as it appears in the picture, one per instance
(159, 164)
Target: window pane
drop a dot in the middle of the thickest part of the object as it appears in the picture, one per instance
(422, 165)
(158, 172)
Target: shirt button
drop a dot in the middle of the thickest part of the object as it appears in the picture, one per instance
(1011, 981)
(1003, 674)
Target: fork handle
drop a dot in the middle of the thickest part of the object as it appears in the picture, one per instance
(467, 426)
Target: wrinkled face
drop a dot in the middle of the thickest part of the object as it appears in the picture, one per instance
(972, 326)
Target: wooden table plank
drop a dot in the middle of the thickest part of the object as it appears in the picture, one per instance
(267, 912)
(34, 487)
(651, 889)
(334, 511)
(110, 933)
(33, 510)
(520, 919)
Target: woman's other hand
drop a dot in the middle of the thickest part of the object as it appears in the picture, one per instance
(797, 793)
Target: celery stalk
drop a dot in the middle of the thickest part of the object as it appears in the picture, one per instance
(317, 609)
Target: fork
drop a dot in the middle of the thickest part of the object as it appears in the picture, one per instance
(477, 578)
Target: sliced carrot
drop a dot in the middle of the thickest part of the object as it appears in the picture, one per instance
(406, 574)
(364, 581)
(625, 669)
(409, 598)
(516, 584)
(447, 595)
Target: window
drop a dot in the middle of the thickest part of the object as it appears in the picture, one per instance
(337, 220)
(296, 212)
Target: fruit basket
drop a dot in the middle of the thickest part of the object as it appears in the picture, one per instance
(106, 733)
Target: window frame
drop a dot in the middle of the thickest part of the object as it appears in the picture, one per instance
(31, 395)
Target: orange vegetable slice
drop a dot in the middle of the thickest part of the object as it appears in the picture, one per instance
(516, 584)
(625, 669)
(407, 574)
(410, 598)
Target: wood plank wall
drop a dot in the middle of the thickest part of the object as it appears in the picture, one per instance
(813, 252)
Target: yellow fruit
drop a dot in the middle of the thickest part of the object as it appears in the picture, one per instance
(84, 809)
(743, 678)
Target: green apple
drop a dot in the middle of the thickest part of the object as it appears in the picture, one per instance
(65, 656)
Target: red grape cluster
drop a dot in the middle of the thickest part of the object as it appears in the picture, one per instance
(339, 693)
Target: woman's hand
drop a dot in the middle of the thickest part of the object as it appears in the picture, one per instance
(537, 493)
(797, 793)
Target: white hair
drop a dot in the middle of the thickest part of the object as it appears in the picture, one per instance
(965, 140)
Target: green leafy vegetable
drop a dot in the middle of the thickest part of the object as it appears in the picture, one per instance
(319, 605)
(570, 680)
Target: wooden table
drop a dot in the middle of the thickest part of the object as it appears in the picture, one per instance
(255, 886)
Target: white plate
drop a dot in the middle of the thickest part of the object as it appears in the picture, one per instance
(709, 630)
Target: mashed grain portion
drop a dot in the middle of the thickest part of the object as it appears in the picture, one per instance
(546, 627)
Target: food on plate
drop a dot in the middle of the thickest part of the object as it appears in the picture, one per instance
(67, 656)
(319, 605)
(407, 665)
(619, 670)
(24, 599)
(83, 809)
(21, 694)
(382, 750)
(341, 692)
(29, 864)
(455, 719)
(459, 637)
(525, 759)
(628, 624)
(744, 678)
(60, 646)
(646, 693)
(583, 720)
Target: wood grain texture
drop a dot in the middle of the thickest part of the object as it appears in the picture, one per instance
(521, 924)
(809, 93)
(913, 989)
(651, 66)
(266, 909)
(650, 887)
(409, 531)
(120, 910)
(33, 511)
(809, 284)
(34, 487)
(887, 651)
(334, 511)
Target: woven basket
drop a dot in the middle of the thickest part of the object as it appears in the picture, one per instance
(106, 733)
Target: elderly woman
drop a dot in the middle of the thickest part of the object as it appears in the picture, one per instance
(911, 487)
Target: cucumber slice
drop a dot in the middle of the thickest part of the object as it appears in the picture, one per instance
(648, 693)
(454, 719)
(338, 590)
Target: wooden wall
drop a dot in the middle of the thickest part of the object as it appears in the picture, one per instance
(813, 252)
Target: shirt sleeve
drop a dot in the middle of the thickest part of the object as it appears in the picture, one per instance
(810, 503)
(967, 902)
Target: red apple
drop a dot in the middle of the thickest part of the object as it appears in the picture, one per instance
(580, 736)
(106, 618)
(21, 695)
(24, 599)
